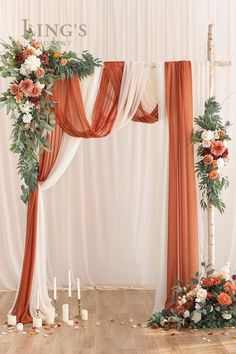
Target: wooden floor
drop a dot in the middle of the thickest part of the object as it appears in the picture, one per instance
(115, 326)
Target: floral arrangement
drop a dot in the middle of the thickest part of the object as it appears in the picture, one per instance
(208, 302)
(212, 152)
(34, 70)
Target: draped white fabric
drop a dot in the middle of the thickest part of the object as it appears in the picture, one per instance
(114, 185)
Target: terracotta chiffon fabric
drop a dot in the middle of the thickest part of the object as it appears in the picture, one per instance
(142, 116)
(21, 307)
(182, 251)
(71, 118)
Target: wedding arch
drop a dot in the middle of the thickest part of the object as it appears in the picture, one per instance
(112, 98)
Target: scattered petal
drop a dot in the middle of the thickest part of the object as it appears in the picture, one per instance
(3, 333)
(76, 327)
(172, 334)
(122, 323)
(97, 323)
(131, 320)
(24, 332)
(112, 320)
(45, 335)
(210, 333)
(204, 338)
(134, 325)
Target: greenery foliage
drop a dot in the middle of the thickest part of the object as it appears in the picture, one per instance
(212, 154)
(34, 70)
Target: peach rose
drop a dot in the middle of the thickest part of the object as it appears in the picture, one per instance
(224, 299)
(19, 96)
(26, 86)
(56, 54)
(221, 133)
(39, 73)
(217, 148)
(208, 159)
(207, 281)
(14, 88)
(35, 44)
(36, 91)
(213, 174)
(27, 52)
(64, 61)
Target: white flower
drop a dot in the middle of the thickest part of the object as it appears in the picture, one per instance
(202, 294)
(25, 70)
(26, 107)
(186, 313)
(226, 315)
(220, 164)
(197, 306)
(32, 63)
(40, 85)
(206, 143)
(196, 316)
(27, 118)
(182, 301)
(207, 135)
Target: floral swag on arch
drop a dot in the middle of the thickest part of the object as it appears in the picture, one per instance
(35, 69)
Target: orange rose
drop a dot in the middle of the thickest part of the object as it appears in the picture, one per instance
(64, 61)
(19, 96)
(221, 133)
(217, 148)
(27, 52)
(14, 88)
(217, 280)
(213, 174)
(56, 54)
(40, 73)
(224, 299)
(26, 86)
(207, 281)
(208, 159)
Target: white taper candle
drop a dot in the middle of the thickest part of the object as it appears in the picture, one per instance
(54, 288)
(78, 288)
(69, 288)
(37, 300)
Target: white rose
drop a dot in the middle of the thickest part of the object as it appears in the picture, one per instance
(25, 70)
(186, 314)
(206, 143)
(40, 85)
(226, 315)
(202, 294)
(225, 272)
(196, 316)
(32, 63)
(26, 107)
(207, 135)
(220, 163)
(27, 118)
(197, 306)
(35, 51)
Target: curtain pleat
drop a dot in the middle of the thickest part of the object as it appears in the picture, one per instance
(182, 252)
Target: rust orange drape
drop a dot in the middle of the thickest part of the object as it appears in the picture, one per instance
(71, 118)
(182, 250)
(21, 307)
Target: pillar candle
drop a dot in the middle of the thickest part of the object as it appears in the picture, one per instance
(19, 326)
(50, 317)
(11, 320)
(65, 312)
(78, 288)
(54, 288)
(69, 287)
(84, 315)
(37, 322)
(37, 300)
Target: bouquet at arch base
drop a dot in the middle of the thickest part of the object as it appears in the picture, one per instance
(209, 301)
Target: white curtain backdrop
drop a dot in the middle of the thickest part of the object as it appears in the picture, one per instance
(105, 225)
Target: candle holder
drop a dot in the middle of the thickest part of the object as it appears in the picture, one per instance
(79, 310)
(55, 307)
(37, 313)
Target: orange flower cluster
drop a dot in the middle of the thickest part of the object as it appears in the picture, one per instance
(224, 299)
(27, 52)
(210, 281)
(25, 88)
